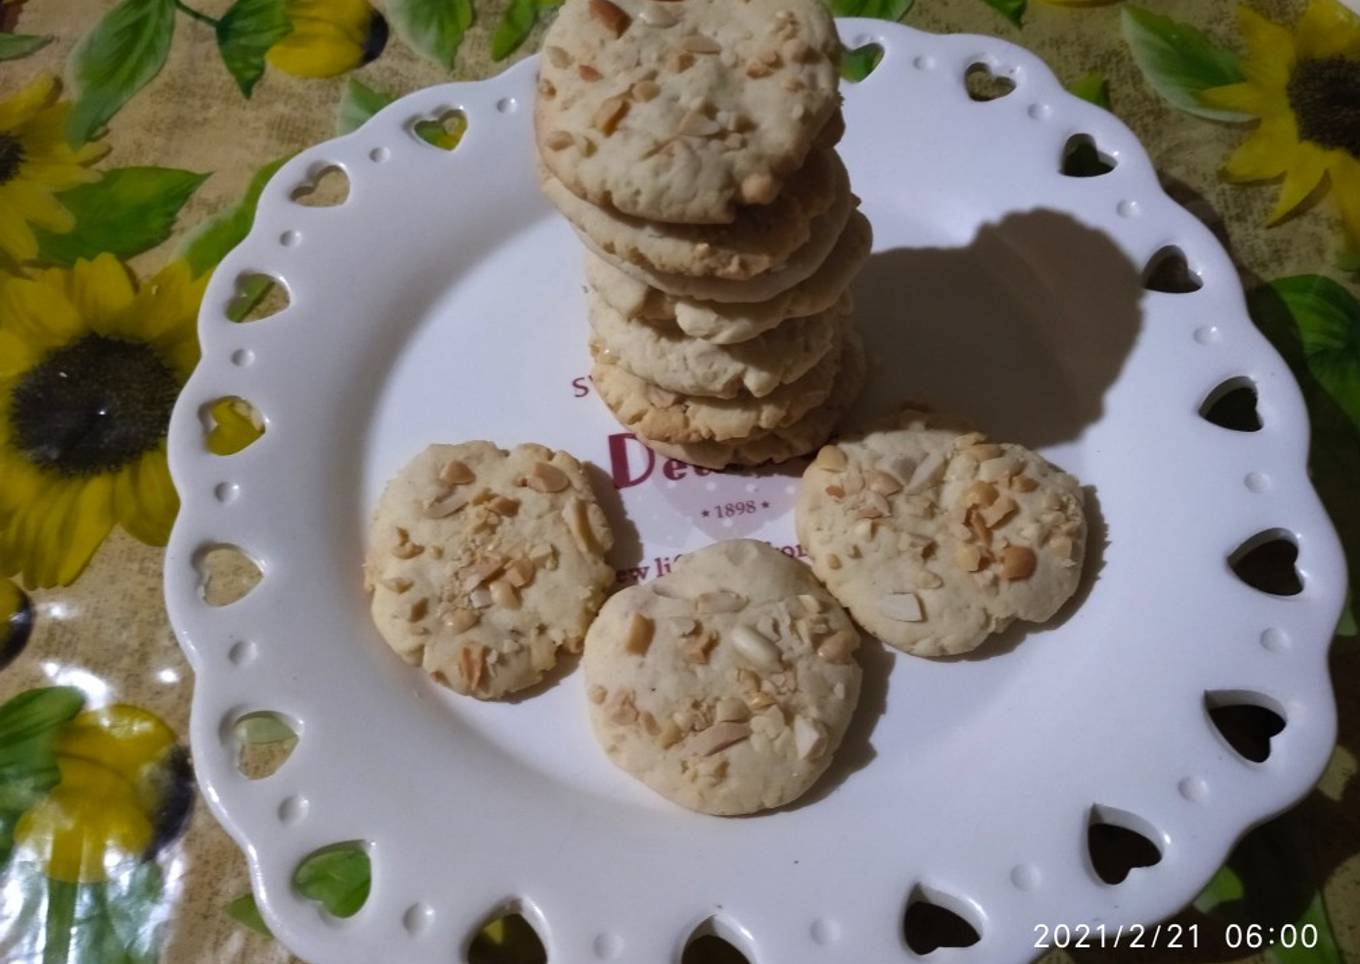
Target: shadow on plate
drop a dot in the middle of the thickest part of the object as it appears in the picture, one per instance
(1022, 331)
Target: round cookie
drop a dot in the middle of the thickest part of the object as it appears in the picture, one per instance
(934, 538)
(484, 563)
(727, 684)
(668, 358)
(758, 240)
(655, 413)
(826, 230)
(781, 444)
(730, 324)
(684, 111)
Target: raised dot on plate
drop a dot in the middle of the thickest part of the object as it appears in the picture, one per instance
(1127, 209)
(379, 154)
(1208, 335)
(1194, 789)
(1039, 111)
(1275, 640)
(242, 652)
(225, 492)
(507, 105)
(1026, 876)
(289, 238)
(417, 918)
(924, 62)
(824, 931)
(1256, 481)
(242, 357)
(607, 946)
(293, 809)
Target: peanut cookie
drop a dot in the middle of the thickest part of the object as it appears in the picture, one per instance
(671, 360)
(934, 537)
(727, 684)
(826, 230)
(730, 324)
(654, 413)
(780, 444)
(758, 240)
(684, 111)
(484, 563)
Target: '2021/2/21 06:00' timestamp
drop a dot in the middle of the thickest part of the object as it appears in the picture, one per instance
(1171, 936)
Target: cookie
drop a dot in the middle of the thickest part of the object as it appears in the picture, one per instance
(484, 563)
(781, 444)
(934, 537)
(730, 324)
(655, 413)
(668, 358)
(684, 111)
(758, 240)
(727, 684)
(826, 231)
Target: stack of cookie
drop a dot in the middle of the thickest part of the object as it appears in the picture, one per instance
(690, 143)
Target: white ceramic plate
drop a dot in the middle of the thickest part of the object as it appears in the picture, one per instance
(442, 301)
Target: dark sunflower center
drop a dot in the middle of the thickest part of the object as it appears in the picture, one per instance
(93, 406)
(1325, 96)
(11, 156)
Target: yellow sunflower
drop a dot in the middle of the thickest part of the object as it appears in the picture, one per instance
(90, 364)
(328, 37)
(36, 162)
(124, 791)
(1304, 85)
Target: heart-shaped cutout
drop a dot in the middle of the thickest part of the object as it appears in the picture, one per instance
(1246, 720)
(507, 937)
(860, 62)
(1082, 158)
(444, 131)
(717, 941)
(983, 85)
(1232, 405)
(256, 297)
(1119, 842)
(337, 878)
(1169, 272)
(1266, 562)
(934, 919)
(230, 425)
(326, 188)
(264, 742)
(226, 574)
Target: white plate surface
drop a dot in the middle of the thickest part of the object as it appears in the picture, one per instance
(442, 301)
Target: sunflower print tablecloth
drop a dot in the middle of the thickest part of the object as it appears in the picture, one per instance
(135, 136)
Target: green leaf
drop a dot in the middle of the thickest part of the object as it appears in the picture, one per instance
(358, 103)
(1012, 10)
(860, 63)
(1092, 87)
(878, 9)
(432, 28)
(1179, 61)
(243, 911)
(337, 878)
(514, 27)
(29, 724)
(117, 58)
(16, 45)
(1328, 318)
(209, 243)
(244, 35)
(127, 211)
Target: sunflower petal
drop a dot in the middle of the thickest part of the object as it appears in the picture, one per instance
(1266, 153)
(38, 309)
(34, 203)
(16, 240)
(28, 101)
(102, 292)
(1304, 174)
(1244, 97)
(1270, 47)
(87, 525)
(148, 507)
(16, 354)
(1345, 176)
(1326, 29)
